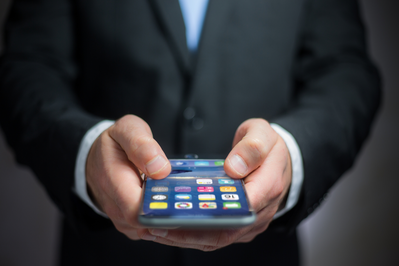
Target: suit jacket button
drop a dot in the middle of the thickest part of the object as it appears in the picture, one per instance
(189, 113)
(197, 123)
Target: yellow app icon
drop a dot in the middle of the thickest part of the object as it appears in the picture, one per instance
(228, 189)
(158, 205)
(206, 197)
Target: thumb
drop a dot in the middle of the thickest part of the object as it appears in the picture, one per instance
(135, 137)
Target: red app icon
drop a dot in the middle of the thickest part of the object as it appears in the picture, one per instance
(205, 189)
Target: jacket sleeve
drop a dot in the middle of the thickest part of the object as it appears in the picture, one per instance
(337, 96)
(39, 112)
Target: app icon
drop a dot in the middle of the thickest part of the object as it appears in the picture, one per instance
(183, 189)
(205, 189)
(201, 163)
(158, 205)
(183, 205)
(228, 189)
(204, 181)
(207, 205)
(159, 189)
(231, 205)
(219, 163)
(226, 181)
(206, 197)
(159, 197)
(183, 197)
(230, 197)
(180, 163)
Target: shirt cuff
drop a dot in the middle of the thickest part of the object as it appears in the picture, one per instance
(297, 169)
(80, 167)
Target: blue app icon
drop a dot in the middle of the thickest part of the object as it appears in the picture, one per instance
(183, 197)
(180, 163)
(226, 181)
(201, 163)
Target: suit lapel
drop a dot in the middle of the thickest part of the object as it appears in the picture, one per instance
(216, 13)
(171, 22)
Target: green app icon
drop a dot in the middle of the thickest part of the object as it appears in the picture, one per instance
(219, 163)
(231, 205)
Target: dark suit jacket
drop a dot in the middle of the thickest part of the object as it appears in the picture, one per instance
(70, 64)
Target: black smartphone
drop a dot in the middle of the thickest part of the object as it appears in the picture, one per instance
(196, 194)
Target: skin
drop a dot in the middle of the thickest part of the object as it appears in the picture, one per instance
(259, 155)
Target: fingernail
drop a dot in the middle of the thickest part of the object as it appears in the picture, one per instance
(148, 237)
(238, 164)
(156, 165)
(159, 232)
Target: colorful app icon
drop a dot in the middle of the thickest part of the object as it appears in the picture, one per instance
(231, 205)
(159, 189)
(158, 205)
(230, 197)
(201, 163)
(205, 189)
(206, 197)
(183, 197)
(219, 163)
(159, 197)
(183, 189)
(228, 189)
(226, 181)
(183, 205)
(204, 181)
(207, 205)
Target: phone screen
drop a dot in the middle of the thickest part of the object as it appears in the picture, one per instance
(195, 189)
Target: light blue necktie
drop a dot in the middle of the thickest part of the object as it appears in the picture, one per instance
(194, 12)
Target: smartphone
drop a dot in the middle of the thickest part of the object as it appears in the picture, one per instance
(196, 194)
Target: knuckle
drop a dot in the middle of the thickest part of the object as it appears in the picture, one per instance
(139, 141)
(120, 228)
(255, 146)
(279, 188)
(121, 122)
(226, 238)
(126, 119)
(262, 121)
(209, 248)
(276, 191)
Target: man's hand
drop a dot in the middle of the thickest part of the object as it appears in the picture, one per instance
(260, 155)
(113, 171)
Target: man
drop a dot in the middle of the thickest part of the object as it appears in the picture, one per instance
(69, 66)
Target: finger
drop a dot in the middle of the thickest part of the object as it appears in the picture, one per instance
(134, 136)
(118, 184)
(252, 143)
(108, 164)
(168, 242)
(252, 234)
(217, 238)
(267, 186)
(264, 217)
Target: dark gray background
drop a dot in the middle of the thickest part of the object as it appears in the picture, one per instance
(357, 225)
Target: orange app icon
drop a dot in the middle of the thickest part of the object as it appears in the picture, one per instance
(228, 189)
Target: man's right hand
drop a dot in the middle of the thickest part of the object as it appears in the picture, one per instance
(113, 171)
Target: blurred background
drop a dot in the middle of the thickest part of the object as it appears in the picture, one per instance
(357, 225)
